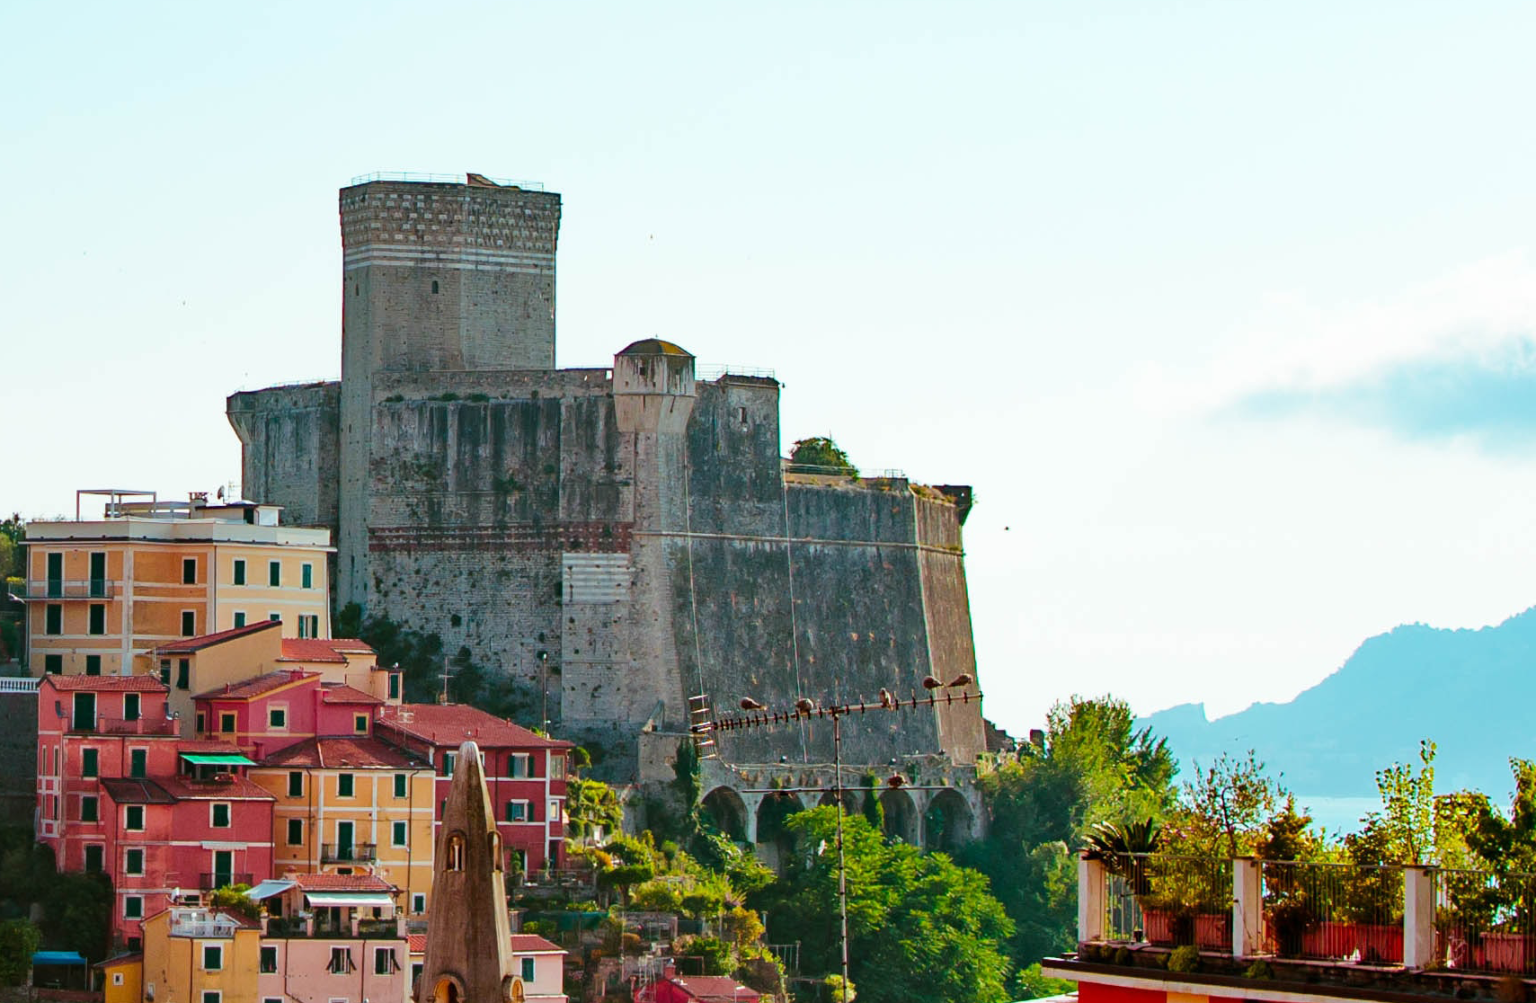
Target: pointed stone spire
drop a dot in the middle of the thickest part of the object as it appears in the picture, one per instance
(469, 947)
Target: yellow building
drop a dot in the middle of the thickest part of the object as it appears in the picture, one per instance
(103, 592)
(122, 978)
(199, 955)
(353, 805)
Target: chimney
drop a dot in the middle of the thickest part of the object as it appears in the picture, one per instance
(669, 970)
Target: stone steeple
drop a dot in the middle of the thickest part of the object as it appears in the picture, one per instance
(469, 949)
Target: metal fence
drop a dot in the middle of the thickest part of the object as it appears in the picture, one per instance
(1168, 900)
(1485, 922)
(1333, 911)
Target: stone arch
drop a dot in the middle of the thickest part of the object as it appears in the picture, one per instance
(771, 813)
(728, 811)
(449, 989)
(949, 823)
(850, 800)
(901, 819)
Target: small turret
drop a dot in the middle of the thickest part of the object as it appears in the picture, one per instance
(653, 387)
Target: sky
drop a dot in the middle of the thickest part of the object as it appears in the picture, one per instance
(1226, 310)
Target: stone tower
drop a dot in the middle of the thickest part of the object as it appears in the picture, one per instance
(469, 946)
(436, 277)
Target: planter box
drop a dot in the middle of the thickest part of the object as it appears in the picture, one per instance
(1508, 952)
(1213, 931)
(1379, 943)
(1159, 926)
(1207, 931)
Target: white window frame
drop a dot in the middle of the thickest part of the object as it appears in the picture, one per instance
(555, 814)
(518, 765)
(272, 709)
(238, 573)
(394, 832)
(229, 814)
(202, 956)
(525, 805)
(129, 900)
(418, 902)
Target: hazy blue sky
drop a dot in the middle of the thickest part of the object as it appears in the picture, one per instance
(1225, 309)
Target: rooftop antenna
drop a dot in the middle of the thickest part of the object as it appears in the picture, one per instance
(445, 674)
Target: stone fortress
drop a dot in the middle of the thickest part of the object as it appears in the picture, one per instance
(626, 534)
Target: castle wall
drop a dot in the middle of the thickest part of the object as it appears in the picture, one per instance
(289, 448)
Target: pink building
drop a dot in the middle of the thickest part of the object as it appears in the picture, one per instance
(330, 937)
(272, 711)
(525, 773)
(89, 728)
(538, 962)
(675, 988)
(174, 834)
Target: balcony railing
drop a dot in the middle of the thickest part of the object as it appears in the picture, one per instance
(342, 853)
(1382, 917)
(221, 879)
(203, 929)
(60, 588)
(152, 725)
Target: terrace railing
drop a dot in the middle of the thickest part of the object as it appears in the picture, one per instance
(1485, 921)
(344, 853)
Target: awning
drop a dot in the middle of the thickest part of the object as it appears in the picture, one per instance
(57, 958)
(201, 759)
(349, 898)
(269, 888)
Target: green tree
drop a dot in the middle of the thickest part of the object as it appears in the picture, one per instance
(914, 918)
(234, 898)
(1408, 818)
(1224, 809)
(19, 940)
(821, 451)
(1094, 766)
(591, 805)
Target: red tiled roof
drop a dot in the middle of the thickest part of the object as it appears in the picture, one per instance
(532, 943)
(126, 791)
(330, 753)
(208, 640)
(110, 684)
(713, 988)
(416, 943)
(349, 694)
(343, 883)
(208, 748)
(256, 685)
(236, 788)
(451, 725)
(314, 649)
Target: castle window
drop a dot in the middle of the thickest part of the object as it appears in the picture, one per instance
(434, 287)
(741, 416)
(455, 860)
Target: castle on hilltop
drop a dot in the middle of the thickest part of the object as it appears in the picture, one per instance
(627, 532)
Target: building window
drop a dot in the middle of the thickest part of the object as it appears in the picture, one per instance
(360, 723)
(98, 619)
(227, 723)
(188, 622)
(88, 808)
(527, 969)
(556, 766)
(384, 962)
(130, 706)
(53, 664)
(418, 902)
(416, 967)
(448, 758)
(434, 287)
(277, 717)
(199, 722)
(268, 959)
(343, 785)
(554, 810)
(397, 833)
(394, 686)
(212, 996)
(219, 817)
(517, 811)
(53, 618)
(341, 961)
(213, 958)
(133, 818)
(274, 573)
(455, 861)
(275, 617)
(517, 764)
(239, 618)
(90, 762)
(165, 671)
(295, 832)
(138, 763)
(239, 571)
(133, 862)
(307, 576)
(117, 978)
(399, 785)
(93, 665)
(189, 571)
(133, 907)
(309, 625)
(94, 855)
(296, 784)
(183, 673)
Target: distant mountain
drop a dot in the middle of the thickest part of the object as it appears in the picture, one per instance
(1472, 691)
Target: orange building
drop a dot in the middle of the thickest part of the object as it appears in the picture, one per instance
(103, 592)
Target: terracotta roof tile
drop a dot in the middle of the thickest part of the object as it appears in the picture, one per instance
(530, 943)
(313, 649)
(715, 989)
(236, 788)
(451, 724)
(349, 695)
(416, 943)
(208, 640)
(107, 684)
(343, 883)
(331, 753)
(125, 791)
(208, 748)
(256, 685)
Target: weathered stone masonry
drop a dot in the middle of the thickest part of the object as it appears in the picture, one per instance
(631, 523)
